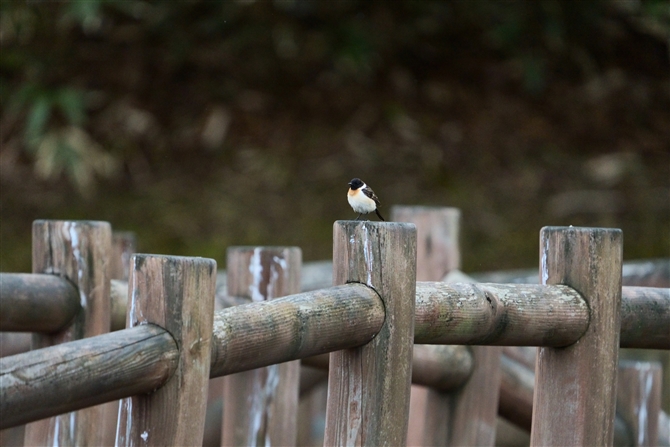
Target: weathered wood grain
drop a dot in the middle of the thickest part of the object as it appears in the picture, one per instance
(499, 314)
(645, 318)
(260, 405)
(516, 393)
(645, 314)
(51, 381)
(474, 420)
(575, 386)
(517, 382)
(441, 367)
(175, 293)
(430, 408)
(526, 355)
(124, 244)
(473, 408)
(36, 302)
(437, 254)
(297, 326)
(315, 275)
(432, 366)
(639, 399)
(368, 387)
(437, 229)
(516, 400)
(78, 251)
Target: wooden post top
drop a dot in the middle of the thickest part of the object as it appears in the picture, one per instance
(569, 242)
(365, 240)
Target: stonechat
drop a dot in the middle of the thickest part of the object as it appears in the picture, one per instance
(362, 199)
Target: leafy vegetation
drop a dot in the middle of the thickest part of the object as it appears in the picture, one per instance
(205, 124)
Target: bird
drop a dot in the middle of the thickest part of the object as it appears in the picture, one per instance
(362, 199)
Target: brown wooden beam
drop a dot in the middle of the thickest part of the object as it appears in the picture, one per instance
(645, 318)
(297, 326)
(499, 314)
(55, 380)
(36, 302)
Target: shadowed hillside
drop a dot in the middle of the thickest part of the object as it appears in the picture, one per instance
(202, 125)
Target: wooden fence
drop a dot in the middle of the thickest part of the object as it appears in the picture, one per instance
(384, 330)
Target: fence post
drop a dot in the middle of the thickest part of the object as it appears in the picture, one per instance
(123, 247)
(639, 399)
(466, 416)
(368, 386)
(177, 294)
(260, 406)
(78, 251)
(437, 253)
(575, 386)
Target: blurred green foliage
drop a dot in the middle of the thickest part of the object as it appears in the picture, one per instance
(202, 118)
(48, 85)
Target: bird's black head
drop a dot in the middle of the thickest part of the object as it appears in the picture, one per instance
(356, 183)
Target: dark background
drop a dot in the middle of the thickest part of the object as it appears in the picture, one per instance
(200, 125)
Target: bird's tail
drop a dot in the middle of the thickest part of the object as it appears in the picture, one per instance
(380, 216)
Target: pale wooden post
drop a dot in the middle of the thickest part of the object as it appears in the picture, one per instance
(260, 406)
(437, 230)
(123, 247)
(575, 387)
(639, 399)
(437, 253)
(466, 416)
(474, 407)
(368, 387)
(177, 294)
(78, 251)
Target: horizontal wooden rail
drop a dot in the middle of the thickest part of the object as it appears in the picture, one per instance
(289, 328)
(51, 381)
(519, 314)
(131, 361)
(645, 273)
(432, 366)
(23, 294)
(645, 318)
(118, 295)
(537, 315)
(443, 368)
(532, 315)
(36, 302)
(498, 314)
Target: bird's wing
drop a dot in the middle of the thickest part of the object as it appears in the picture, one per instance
(371, 194)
